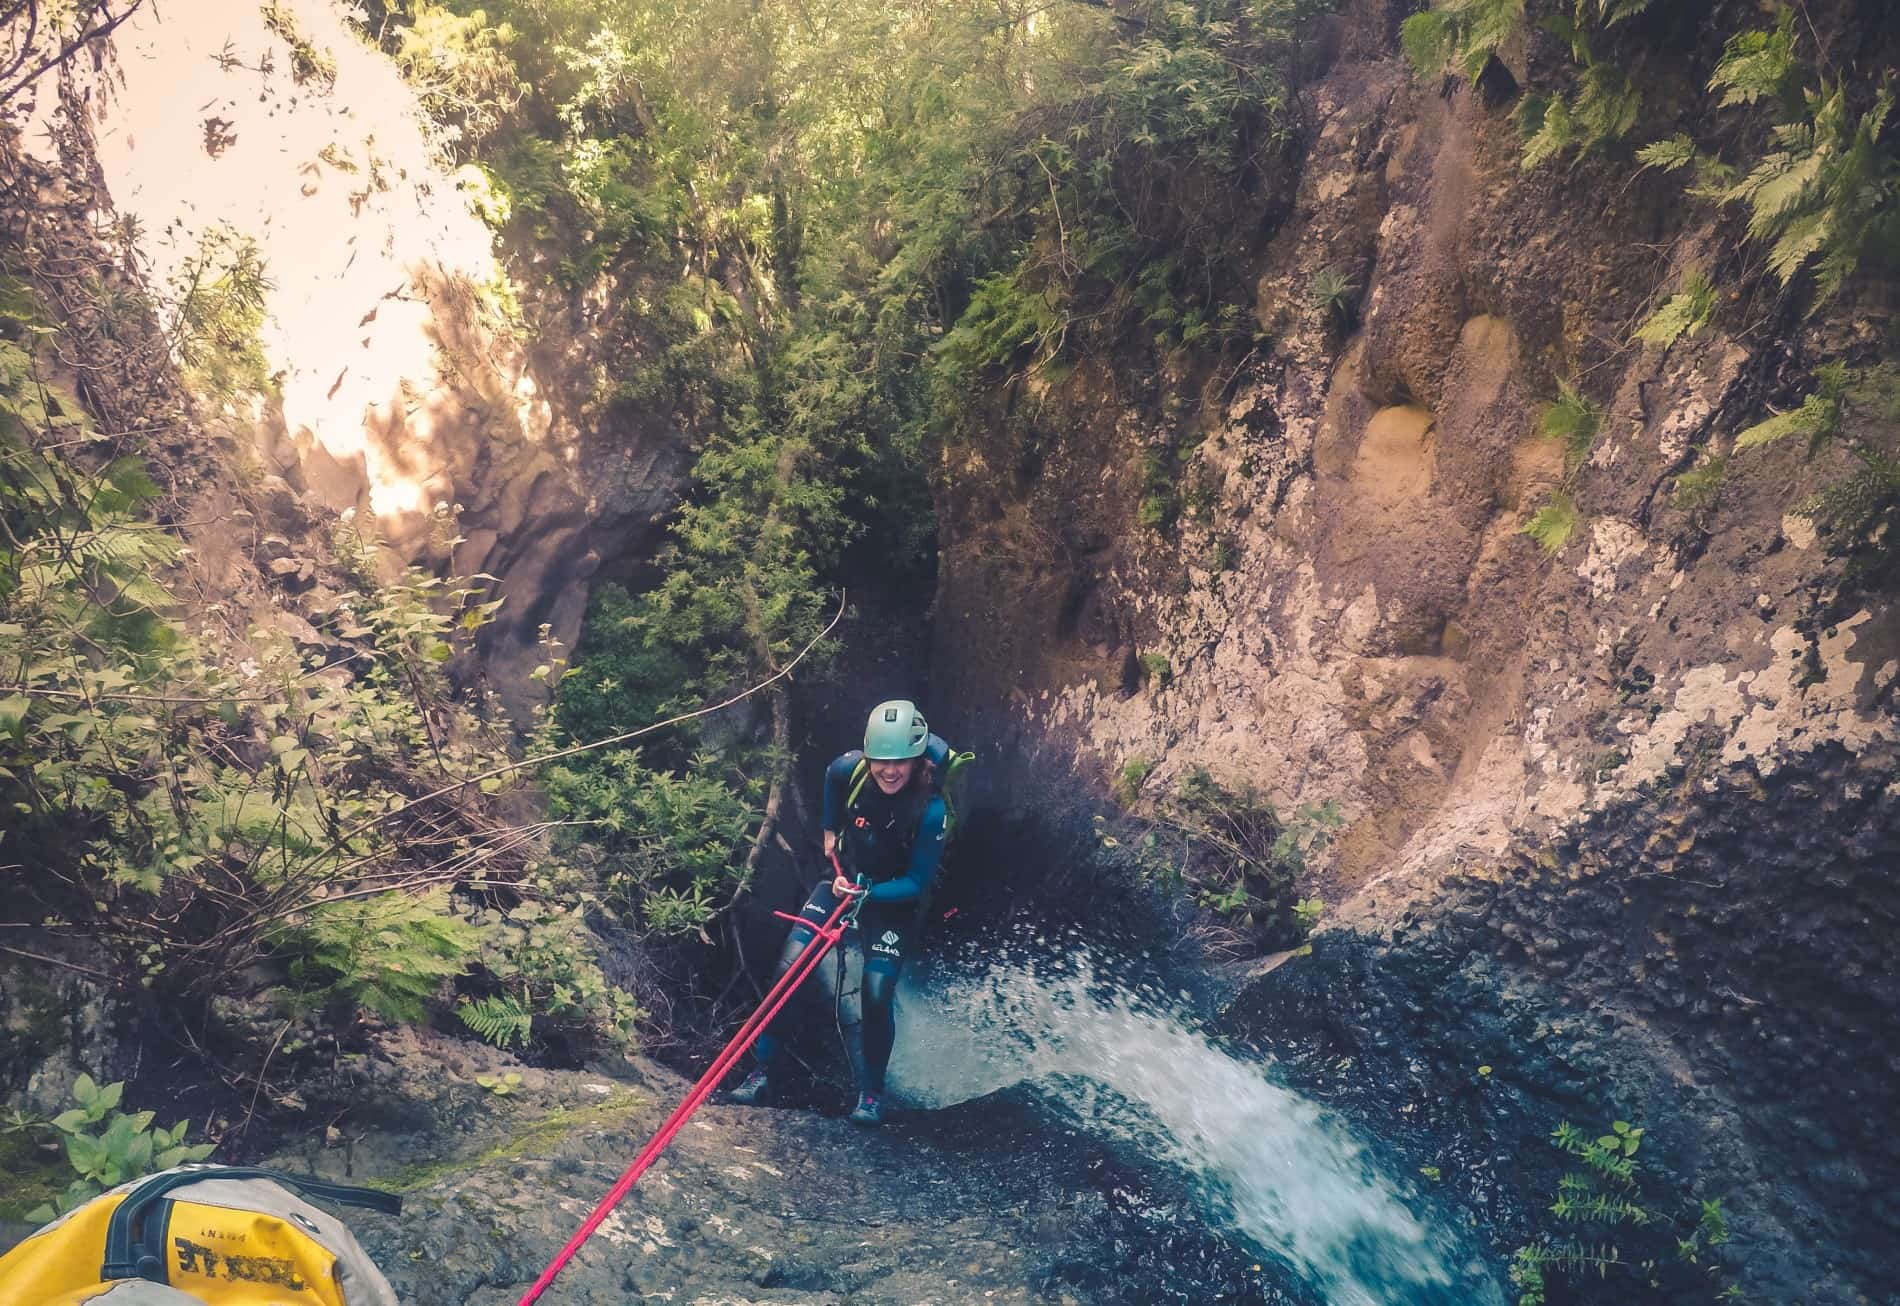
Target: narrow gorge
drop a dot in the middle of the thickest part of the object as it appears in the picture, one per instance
(1399, 498)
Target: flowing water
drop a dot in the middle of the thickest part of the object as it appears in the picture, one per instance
(1123, 1059)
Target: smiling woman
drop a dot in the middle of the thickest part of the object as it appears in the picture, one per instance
(885, 826)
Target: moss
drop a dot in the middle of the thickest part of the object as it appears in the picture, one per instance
(534, 1136)
(34, 1175)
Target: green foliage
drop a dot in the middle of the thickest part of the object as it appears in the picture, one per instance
(668, 847)
(1698, 488)
(1608, 1229)
(387, 953)
(308, 63)
(1331, 295)
(506, 1085)
(198, 816)
(1128, 782)
(1573, 419)
(1460, 35)
(1307, 913)
(1686, 312)
(1003, 319)
(218, 296)
(1758, 64)
(1553, 523)
(545, 961)
(1827, 192)
(500, 1018)
(106, 1146)
(1156, 668)
(1818, 419)
(1605, 107)
(1231, 851)
(1857, 514)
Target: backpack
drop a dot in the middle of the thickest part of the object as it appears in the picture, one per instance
(202, 1235)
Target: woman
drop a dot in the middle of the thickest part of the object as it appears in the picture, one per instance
(884, 827)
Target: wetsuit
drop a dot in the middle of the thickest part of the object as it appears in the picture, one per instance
(895, 842)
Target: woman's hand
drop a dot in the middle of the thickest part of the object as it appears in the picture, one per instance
(844, 888)
(831, 844)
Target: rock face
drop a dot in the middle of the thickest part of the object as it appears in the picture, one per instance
(1627, 806)
(986, 1202)
(405, 390)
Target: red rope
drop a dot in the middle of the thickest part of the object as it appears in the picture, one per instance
(822, 942)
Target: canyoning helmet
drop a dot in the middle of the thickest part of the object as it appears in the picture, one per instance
(896, 730)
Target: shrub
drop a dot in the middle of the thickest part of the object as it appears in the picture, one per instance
(107, 1147)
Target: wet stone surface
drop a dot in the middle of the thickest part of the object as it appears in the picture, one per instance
(994, 1200)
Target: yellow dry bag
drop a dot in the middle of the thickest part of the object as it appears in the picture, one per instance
(210, 1234)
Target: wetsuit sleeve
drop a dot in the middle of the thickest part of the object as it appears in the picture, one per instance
(926, 854)
(838, 789)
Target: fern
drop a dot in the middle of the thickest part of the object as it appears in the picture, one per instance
(1697, 489)
(1826, 191)
(1677, 151)
(1462, 32)
(1572, 418)
(1552, 525)
(1686, 313)
(1756, 64)
(1429, 40)
(500, 1019)
(387, 953)
(1818, 418)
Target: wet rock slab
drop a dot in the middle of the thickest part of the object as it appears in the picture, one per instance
(989, 1202)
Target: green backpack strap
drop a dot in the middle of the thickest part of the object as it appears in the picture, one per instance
(953, 767)
(858, 775)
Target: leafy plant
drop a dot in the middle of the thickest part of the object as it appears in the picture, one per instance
(1827, 192)
(1686, 312)
(1573, 419)
(500, 1019)
(1157, 668)
(1606, 1227)
(1462, 34)
(1552, 524)
(1233, 852)
(1330, 294)
(506, 1085)
(1132, 776)
(1818, 419)
(106, 1146)
(217, 311)
(1697, 488)
(1858, 409)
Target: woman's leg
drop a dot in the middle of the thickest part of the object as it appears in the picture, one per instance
(886, 940)
(817, 910)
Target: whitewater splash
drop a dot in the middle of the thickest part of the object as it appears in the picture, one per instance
(1125, 1061)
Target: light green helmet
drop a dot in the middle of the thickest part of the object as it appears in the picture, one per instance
(896, 730)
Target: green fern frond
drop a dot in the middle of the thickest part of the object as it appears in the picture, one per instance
(1685, 313)
(1818, 418)
(1756, 64)
(1677, 151)
(500, 1019)
(1547, 128)
(1427, 39)
(1572, 418)
(1552, 525)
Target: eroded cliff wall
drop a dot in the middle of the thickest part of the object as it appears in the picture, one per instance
(1622, 816)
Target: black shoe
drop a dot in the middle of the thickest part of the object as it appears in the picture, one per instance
(869, 1111)
(753, 1092)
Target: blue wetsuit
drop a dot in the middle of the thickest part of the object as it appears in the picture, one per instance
(895, 843)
